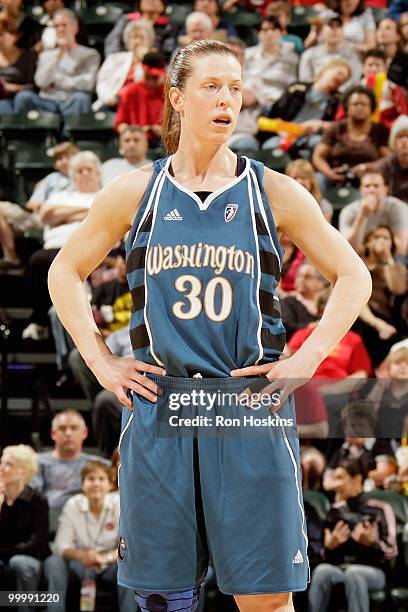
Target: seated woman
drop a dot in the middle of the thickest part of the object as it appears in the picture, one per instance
(23, 521)
(312, 106)
(303, 172)
(87, 537)
(390, 42)
(350, 144)
(16, 67)
(27, 28)
(358, 23)
(377, 321)
(124, 67)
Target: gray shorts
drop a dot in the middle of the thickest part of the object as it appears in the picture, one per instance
(20, 219)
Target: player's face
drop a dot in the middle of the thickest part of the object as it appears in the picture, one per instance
(212, 98)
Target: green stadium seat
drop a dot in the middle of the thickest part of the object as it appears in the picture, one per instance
(301, 15)
(318, 500)
(104, 150)
(241, 17)
(177, 12)
(29, 163)
(341, 195)
(275, 159)
(400, 597)
(38, 126)
(96, 126)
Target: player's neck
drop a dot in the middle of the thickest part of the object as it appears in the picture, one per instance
(194, 160)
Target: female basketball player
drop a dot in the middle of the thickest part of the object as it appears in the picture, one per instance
(203, 261)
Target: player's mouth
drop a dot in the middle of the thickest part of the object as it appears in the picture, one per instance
(223, 121)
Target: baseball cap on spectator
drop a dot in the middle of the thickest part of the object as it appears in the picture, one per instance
(63, 148)
(399, 126)
(154, 64)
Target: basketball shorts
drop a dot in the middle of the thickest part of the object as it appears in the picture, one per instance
(225, 489)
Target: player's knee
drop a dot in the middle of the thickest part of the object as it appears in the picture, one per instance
(265, 603)
(169, 602)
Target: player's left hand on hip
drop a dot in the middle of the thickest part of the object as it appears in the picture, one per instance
(284, 375)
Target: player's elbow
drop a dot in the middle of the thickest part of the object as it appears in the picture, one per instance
(365, 283)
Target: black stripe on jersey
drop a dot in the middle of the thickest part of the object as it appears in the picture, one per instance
(272, 341)
(138, 297)
(261, 228)
(147, 223)
(268, 305)
(269, 263)
(139, 337)
(136, 259)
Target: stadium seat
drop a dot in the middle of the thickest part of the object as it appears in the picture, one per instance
(318, 500)
(339, 196)
(275, 159)
(34, 126)
(29, 164)
(301, 16)
(96, 126)
(399, 597)
(104, 150)
(177, 13)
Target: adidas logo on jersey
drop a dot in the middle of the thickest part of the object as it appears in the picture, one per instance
(173, 215)
(298, 557)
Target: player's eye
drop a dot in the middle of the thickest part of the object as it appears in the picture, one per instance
(211, 87)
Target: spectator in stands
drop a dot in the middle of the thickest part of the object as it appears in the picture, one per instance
(152, 11)
(391, 99)
(352, 448)
(374, 208)
(386, 467)
(403, 29)
(198, 26)
(65, 75)
(393, 403)
(333, 46)
(49, 34)
(23, 522)
(389, 41)
(87, 538)
(283, 11)
(350, 144)
(16, 67)
(133, 148)
(396, 9)
(379, 321)
(311, 105)
(313, 463)
(300, 308)
(15, 220)
(292, 259)
(59, 470)
(142, 103)
(348, 360)
(28, 29)
(359, 532)
(358, 23)
(395, 165)
(303, 172)
(61, 214)
(270, 66)
(112, 302)
(222, 27)
(311, 414)
(124, 67)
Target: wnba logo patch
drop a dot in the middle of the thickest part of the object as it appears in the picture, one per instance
(230, 212)
(122, 549)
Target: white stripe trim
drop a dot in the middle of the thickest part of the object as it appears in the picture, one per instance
(149, 203)
(158, 193)
(258, 282)
(210, 198)
(124, 431)
(295, 469)
(262, 211)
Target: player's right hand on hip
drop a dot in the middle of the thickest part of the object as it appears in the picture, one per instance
(119, 374)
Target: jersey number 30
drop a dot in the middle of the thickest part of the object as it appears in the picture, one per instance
(192, 287)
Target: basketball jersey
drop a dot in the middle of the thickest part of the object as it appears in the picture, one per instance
(203, 276)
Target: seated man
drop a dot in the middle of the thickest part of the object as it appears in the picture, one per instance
(395, 165)
(66, 75)
(374, 208)
(23, 521)
(59, 471)
(133, 148)
(15, 220)
(359, 542)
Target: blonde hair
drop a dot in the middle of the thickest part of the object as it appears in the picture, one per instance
(334, 63)
(179, 71)
(25, 457)
(305, 169)
(400, 354)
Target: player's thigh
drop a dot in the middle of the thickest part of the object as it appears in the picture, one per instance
(277, 602)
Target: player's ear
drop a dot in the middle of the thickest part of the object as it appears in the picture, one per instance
(176, 98)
